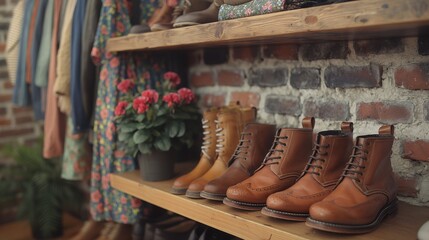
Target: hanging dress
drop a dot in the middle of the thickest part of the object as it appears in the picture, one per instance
(108, 203)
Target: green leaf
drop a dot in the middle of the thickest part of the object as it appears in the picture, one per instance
(173, 128)
(144, 148)
(156, 133)
(140, 117)
(162, 112)
(124, 136)
(163, 143)
(159, 122)
(129, 127)
(141, 136)
(182, 129)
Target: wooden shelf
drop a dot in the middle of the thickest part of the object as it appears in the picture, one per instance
(361, 19)
(254, 225)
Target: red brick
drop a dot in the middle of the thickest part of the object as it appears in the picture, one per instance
(5, 122)
(2, 47)
(24, 119)
(246, 98)
(416, 150)
(5, 98)
(385, 112)
(230, 78)
(8, 85)
(18, 110)
(247, 53)
(281, 51)
(15, 132)
(407, 187)
(202, 79)
(327, 109)
(413, 76)
(213, 100)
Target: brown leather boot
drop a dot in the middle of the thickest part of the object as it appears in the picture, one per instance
(229, 125)
(330, 155)
(205, 16)
(281, 167)
(162, 18)
(255, 142)
(208, 154)
(366, 192)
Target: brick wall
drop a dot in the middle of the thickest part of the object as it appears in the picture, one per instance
(16, 123)
(371, 83)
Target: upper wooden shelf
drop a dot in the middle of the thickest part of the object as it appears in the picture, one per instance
(363, 19)
(254, 225)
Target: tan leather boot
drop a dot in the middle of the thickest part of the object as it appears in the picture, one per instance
(162, 18)
(281, 167)
(229, 125)
(208, 154)
(366, 192)
(325, 166)
(205, 16)
(255, 142)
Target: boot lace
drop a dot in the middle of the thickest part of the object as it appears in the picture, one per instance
(206, 138)
(243, 147)
(270, 159)
(220, 137)
(316, 159)
(181, 8)
(355, 167)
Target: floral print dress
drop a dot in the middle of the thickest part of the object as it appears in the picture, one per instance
(107, 203)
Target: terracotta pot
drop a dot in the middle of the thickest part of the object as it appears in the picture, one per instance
(157, 166)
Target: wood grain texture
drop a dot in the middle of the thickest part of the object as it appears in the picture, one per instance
(363, 19)
(254, 225)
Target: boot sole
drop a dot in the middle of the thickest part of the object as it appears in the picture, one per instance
(191, 194)
(185, 24)
(213, 196)
(300, 217)
(354, 229)
(243, 205)
(178, 191)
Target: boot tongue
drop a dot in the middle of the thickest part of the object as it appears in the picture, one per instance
(360, 141)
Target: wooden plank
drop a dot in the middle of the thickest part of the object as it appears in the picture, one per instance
(254, 225)
(351, 20)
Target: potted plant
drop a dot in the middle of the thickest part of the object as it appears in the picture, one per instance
(37, 185)
(153, 124)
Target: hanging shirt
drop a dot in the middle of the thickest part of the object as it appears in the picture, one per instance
(13, 39)
(42, 66)
(62, 83)
(55, 124)
(79, 117)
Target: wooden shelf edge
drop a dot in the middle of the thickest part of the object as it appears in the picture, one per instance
(253, 225)
(351, 20)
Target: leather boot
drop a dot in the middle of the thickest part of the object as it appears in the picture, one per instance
(325, 166)
(366, 192)
(162, 18)
(229, 125)
(205, 16)
(280, 169)
(190, 6)
(208, 154)
(255, 142)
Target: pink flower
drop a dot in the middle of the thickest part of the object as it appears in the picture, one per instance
(172, 3)
(186, 94)
(267, 6)
(135, 202)
(140, 104)
(152, 95)
(124, 218)
(171, 99)
(103, 74)
(120, 108)
(114, 62)
(104, 113)
(96, 196)
(173, 78)
(125, 85)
